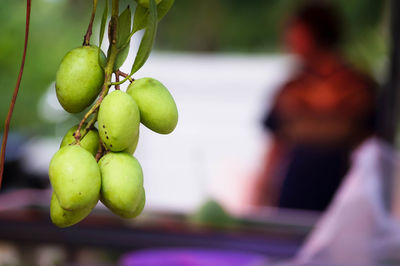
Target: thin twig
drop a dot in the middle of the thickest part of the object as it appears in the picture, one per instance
(86, 39)
(99, 151)
(117, 87)
(14, 98)
(91, 122)
(125, 75)
(87, 128)
(93, 109)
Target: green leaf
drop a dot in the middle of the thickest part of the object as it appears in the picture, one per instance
(121, 57)
(101, 35)
(142, 13)
(103, 23)
(163, 8)
(148, 38)
(123, 32)
(140, 18)
(124, 27)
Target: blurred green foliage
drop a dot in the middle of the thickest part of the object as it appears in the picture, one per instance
(211, 213)
(200, 26)
(257, 25)
(56, 26)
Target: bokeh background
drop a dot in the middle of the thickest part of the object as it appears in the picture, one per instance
(223, 26)
(223, 62)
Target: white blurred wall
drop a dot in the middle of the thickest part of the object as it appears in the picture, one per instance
(219, 140)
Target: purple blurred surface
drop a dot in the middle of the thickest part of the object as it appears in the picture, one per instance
(191, 257)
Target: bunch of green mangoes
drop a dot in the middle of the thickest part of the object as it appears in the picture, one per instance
(100, 165)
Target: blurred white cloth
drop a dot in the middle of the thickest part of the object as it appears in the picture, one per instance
(359, 227)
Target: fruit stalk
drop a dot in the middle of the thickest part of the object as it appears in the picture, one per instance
(125, 75)
(99, 151)
(89, 125)
(14, 98)
(117, 87)
(108, 70)
(86, 39)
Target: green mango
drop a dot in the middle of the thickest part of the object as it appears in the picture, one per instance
(157, 108)
(75, 177)
(118, 120)
(137, 211)
(140, 206)
(121, 183)
(132, 147)
(146, 3)
(90, 141)
(80, 78)
(63, 218)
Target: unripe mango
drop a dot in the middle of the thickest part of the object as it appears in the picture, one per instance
(157, 108)
(137, 211)
(63, 218)
(121, 183)
(75, 177)
(79, 78)
(146, 3)
(89, 142)
(132, 147)
(140, 206)
(118, 120)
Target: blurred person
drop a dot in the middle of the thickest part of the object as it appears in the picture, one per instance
(317, 118)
